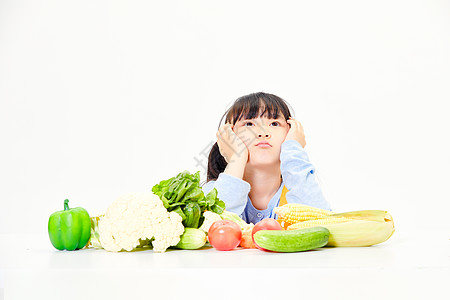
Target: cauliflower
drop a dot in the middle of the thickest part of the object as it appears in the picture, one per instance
(210, 217)
(136, 217)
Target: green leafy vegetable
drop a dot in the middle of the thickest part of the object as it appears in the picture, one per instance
(177, 192)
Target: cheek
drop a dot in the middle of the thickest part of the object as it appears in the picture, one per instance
(279, 138)
(284, 133)
(246, 135)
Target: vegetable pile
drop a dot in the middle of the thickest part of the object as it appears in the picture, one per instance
(177, 215)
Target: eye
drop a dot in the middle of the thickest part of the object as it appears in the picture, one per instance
(276, 123)
(247, 123)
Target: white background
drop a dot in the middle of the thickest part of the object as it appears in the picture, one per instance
(101, 98)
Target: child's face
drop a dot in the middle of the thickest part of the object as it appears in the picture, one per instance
(255, 132)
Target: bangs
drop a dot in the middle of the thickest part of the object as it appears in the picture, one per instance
(257, 105)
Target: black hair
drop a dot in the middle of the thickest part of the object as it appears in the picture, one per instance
(246, 107)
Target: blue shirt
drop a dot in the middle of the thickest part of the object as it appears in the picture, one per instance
(297, 175)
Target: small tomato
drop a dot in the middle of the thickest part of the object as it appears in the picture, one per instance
(265, 224)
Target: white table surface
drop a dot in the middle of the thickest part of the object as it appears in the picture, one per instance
(414, 265)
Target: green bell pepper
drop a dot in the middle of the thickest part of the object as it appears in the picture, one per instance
(70, 228)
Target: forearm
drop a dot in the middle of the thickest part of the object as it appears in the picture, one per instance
(299, 177)
(236, 167)
(231, 190)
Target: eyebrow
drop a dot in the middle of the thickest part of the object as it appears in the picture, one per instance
(278, 119)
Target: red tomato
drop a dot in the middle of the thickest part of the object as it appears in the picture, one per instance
(222, 222)
(224, 235)
(265, 224)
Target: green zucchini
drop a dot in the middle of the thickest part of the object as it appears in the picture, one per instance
(191, 239)
(292, 240)
(192, 211)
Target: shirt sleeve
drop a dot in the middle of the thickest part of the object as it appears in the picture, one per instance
(299, 178)
(231, 190)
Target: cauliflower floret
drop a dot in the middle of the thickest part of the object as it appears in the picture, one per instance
(138, 216)
(210, 217)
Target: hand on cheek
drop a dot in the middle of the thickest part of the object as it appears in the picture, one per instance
(231, 147)
(296, 132)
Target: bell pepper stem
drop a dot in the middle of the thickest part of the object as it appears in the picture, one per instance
(66, 204)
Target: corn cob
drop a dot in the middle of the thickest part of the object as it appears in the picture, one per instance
(354, 229)
(318, 222)
(293, 212)
(372, 215)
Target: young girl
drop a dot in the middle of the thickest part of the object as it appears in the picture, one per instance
(260, 150)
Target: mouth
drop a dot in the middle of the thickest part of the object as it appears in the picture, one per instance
(263, 145)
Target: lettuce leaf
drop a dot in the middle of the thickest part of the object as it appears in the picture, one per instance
(178, 191)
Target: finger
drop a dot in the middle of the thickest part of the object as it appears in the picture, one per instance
(299, 124)
(223, 129)
(296, 122)
(226, 132)
(220, 142)
(293, 123)
(292, 120)
(230, 130)
(226, 126)
(221, 134)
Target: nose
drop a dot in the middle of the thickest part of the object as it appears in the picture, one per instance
(262, 130)
(267, 135)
